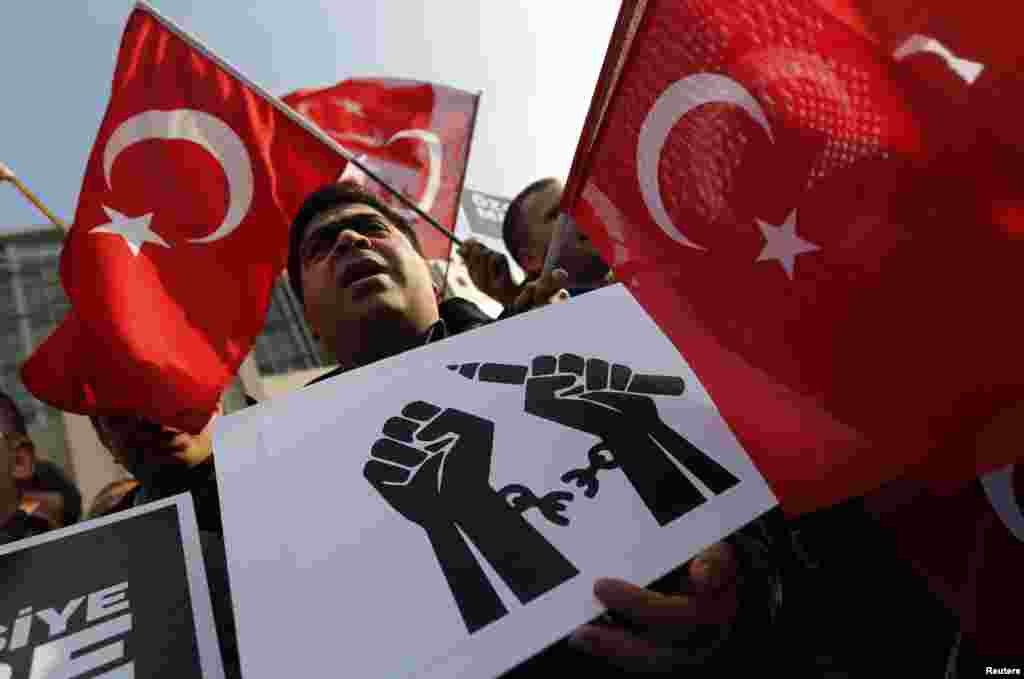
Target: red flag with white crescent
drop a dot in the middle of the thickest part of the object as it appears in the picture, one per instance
(830, 247)
(180, 232)
(414, 135)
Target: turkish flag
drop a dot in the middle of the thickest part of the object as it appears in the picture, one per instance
(414, 135)
(180, 232)
(829, 243)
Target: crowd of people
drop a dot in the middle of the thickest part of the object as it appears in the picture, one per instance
(822, 595)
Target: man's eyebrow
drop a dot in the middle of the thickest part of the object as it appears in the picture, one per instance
(336, 219)
(552, 213)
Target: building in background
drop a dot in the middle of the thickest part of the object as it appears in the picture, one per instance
(32, 303)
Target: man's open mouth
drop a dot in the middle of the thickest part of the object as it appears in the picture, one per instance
(358, 270)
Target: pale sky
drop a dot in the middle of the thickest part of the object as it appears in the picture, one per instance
(536, 61)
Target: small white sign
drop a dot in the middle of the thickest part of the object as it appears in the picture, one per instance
(453, 505)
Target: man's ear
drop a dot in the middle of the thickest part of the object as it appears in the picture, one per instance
(24, 461)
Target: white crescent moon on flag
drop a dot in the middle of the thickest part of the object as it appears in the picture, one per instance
(433, 163)
(676, 101)
(209, 132)
(434, 158)
(999, 489)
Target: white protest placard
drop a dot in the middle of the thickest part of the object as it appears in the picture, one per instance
(454, 504)
(116, 597)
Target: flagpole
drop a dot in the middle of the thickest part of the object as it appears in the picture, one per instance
(296, 117)
(6, 174)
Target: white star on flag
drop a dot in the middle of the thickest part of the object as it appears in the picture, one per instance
(134, 230)
(783, 244)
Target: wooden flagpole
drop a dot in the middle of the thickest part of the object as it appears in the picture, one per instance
(6, 174)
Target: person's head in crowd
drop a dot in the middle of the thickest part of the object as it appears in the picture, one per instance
(111, 496)
(529, 229)
(52, 494)
(158, 456)
(358, 269)
(18, 457)
(530, 223)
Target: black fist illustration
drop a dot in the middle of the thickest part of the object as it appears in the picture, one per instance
(615, 404)
(433, 466)
(594, 396)
(406, 467)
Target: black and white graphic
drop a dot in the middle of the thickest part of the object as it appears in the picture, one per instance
(433, 467)
(115, 598)
(612, 403)
(485, 213)
(445, 512)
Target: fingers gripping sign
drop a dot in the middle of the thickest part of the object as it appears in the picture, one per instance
(433, 467)
(549, 288)
(616, 405)
(658, 632)
(489, 271)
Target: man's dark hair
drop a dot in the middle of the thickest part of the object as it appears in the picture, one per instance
(326, 198)
(11, 419)
(512, 227)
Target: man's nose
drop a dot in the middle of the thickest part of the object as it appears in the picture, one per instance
(350, 238)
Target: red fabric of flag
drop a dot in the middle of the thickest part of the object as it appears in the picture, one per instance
(968, 543)
(414, 135)
(834, 253)
(180, 233)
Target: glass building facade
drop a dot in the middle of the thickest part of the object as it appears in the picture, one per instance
(32, 303)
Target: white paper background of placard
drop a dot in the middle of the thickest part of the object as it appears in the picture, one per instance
(324, 571)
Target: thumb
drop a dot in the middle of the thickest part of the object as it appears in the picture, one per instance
(713, 569)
